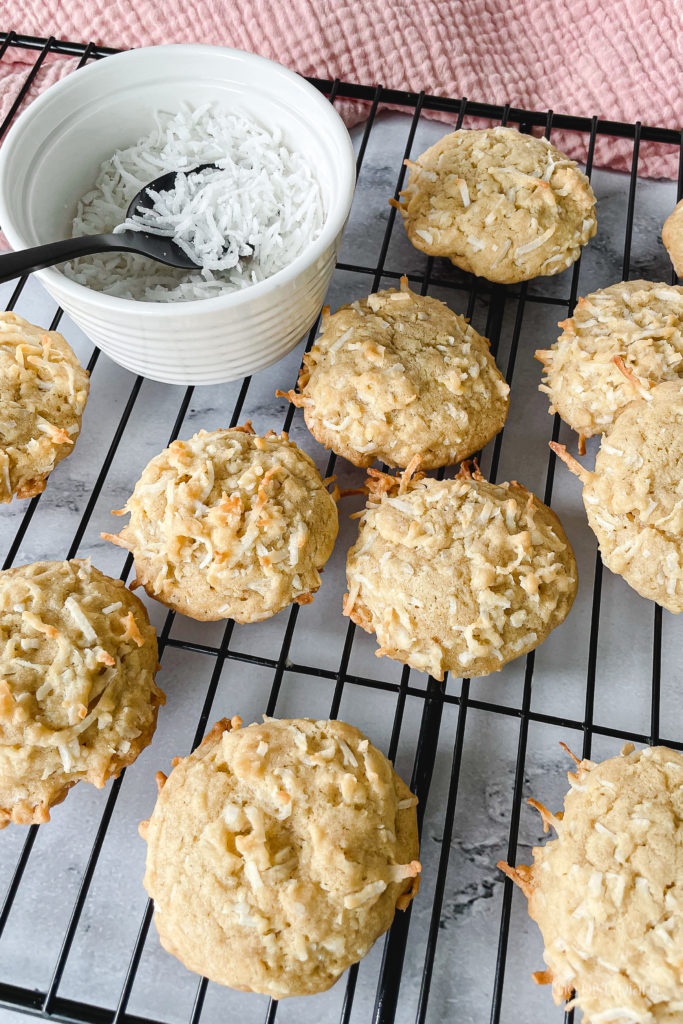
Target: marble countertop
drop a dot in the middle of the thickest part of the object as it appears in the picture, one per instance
(464, 968)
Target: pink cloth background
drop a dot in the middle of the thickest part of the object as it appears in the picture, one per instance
(619, 59)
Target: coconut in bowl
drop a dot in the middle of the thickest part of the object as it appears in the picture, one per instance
(247, 215)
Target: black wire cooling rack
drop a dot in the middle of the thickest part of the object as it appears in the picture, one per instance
(428, 700)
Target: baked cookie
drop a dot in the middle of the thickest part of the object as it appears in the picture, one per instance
(398, 375)
(77, 694)
(634, 497)
(607, 893)
(277, 854)
(230, 525)
(499, 204)
(43, 391)
(672, 236)
(639, 321)
(457, 575)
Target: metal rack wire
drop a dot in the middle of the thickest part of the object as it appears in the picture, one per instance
(434, 697)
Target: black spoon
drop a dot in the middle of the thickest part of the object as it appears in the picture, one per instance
(159, 247)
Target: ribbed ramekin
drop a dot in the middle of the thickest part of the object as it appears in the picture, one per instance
(51, 157)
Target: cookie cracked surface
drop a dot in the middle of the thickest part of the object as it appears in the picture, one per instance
(78, 699)
(634, 497)
(457, 575)
(43, 391)
(505, 206)
(639, 321)
(278, 853)
(607, 893)
(397, 375)
(230, 525)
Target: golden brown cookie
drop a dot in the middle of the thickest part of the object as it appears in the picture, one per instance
(457, 575)
(607, 893)
(672, 236)
(499, 204)
(43, 391)
(277, 854)
(230, 525)
(639, 321)
(77, 694)
(634, 497)
(397, 375)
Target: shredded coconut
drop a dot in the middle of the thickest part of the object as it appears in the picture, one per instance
(241, 223)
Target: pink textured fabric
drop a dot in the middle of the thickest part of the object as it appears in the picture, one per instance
(619, 59)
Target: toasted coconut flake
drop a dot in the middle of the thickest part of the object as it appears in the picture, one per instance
(642, 386)
(575, 467)
(291, 396)
(521, 875)
(547, 816)
(131, 630)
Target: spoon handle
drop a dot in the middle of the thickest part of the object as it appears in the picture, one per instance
(15, 264)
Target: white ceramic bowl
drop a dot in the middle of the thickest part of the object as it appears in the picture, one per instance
(51, 157)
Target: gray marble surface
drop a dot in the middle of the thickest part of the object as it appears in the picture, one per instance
(468, 923)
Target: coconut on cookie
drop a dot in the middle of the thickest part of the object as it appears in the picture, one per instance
(640, 322)
(457, 575)
(278, 853)
(634, 496)
(230, 525)
(78, 699)
(398, 375)
(607, 893)
(502, 205)
(43, 391)
(672, 237)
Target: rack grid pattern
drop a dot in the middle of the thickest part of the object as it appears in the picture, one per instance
(434, 698)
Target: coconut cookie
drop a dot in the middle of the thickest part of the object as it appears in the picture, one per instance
(634, 497)
(43, 391)
(672, 236)
(607, 894)
(77, 694)
(277, 854)
(639, 321)
(499, 204)
(457, 575)
(230, 525)
(398, 375)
